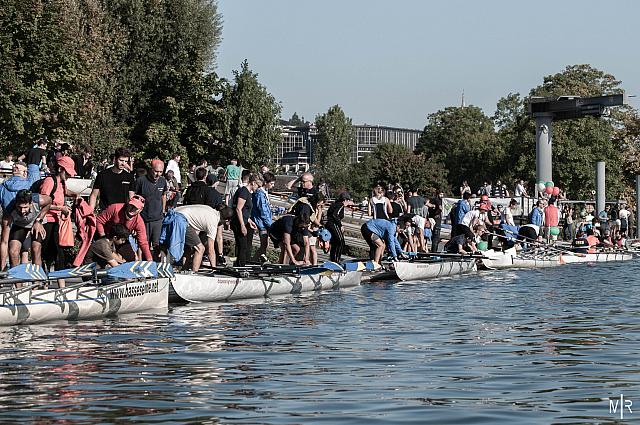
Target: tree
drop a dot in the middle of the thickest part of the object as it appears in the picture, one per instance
(332, 149)
(250, 120)
(463, 138)
(392, 163)
(295, 120)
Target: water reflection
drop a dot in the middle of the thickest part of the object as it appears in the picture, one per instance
(513, 346)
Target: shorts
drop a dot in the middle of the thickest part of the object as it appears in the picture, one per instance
(263, 232)
(51, 252)
(192, 237)
(232, 186)
(21, 234)
(368, 235)
(154, 228)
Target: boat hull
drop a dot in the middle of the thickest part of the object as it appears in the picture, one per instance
(406, 270)
(600, 257)
(78, 302)
(510, 259)
(210, 287)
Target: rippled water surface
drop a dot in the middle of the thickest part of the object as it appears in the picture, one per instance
(496, 347)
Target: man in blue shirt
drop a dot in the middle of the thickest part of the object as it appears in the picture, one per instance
(381, 234)
(461, 208)
(537, 214)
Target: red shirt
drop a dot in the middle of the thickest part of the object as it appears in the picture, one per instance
(116, 214)
(551, 216)
(58, 197)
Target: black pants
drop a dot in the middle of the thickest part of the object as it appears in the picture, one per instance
(435, 234)
(243, 244)
(51, 251)
(367, 236)
(337, 241)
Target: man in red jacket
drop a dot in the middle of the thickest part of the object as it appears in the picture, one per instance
(128, 215)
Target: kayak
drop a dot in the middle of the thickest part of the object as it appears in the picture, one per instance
(419, 270)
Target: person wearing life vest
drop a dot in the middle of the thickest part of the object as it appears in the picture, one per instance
(592, 241)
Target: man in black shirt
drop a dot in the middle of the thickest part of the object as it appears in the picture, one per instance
(153, 188)
(38, 152)
(287, 233)
(435, 212)
(114, 183)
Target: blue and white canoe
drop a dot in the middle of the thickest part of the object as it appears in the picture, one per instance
(129, 288)
(222, 285)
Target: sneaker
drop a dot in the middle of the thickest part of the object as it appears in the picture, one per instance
(264, 259)
(221, 261)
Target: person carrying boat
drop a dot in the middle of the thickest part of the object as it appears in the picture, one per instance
(335, 215)
(26, 222)
(380, 234)
(288, 233)
(529, 233)
(201, 193)
(128, 215)
(202, 229)
(104, 251)
(472, 218)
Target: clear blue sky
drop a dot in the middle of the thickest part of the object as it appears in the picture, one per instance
(394, 62)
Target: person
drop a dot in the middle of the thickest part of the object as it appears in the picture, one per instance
(381, 233)
(435, 212)
(113, 184)
(129, 215)
(26, 222)
(623, 216)
(414, 230)
(46, 246)
(379, 205)
(242, 225)
(551, 219)
(461, 244)
(174, 165)
(529, 233)
(199, 193)
(173, 189)
(38, 154)
(472, 218)
(201, 232)
(304, 185)
(464, 188)
(7, 162)
(261, 213)
(104, 251)
(153, 188)
(335, 215)
(536, 216)
(507, 213)
(461, 207)
(499, 190)
(232, 175)
(520, 189)
(191, 174)
(288, 233)
(398, 204)
(485, 189)
(568, 223)
(83, 163)
(416, 203)
(317, 204)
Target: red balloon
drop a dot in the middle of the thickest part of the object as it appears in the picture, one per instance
(549, 190)
(556, 191)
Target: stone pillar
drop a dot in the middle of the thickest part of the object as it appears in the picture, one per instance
(600, 187)
(544, 171)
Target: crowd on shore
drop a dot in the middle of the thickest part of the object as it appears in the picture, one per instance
(146, 212)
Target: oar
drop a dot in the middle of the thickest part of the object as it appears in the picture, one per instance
(420, 255)
(543, 244)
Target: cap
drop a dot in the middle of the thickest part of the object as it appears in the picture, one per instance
(324, 235)
(155, 162)
(137, 201)
(484, 206)
(67, 164)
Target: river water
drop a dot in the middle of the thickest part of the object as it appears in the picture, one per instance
(523, 346)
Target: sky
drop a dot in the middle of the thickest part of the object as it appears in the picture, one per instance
(394, 62)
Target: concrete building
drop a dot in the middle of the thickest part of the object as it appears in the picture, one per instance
(297, 143)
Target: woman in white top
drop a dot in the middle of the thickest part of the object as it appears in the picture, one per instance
(379, 205)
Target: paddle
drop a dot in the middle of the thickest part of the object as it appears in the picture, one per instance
(543, 244)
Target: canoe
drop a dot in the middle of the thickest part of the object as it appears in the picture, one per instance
(81, 301)
(216, 287)
(417, 270)
(599, 257)
(511, 259)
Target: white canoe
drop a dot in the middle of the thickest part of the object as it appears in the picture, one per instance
(599, 257)
(81, 301)
(212, 287)
(511, 259)
(416, 270)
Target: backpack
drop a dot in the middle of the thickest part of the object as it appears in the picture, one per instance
(37, 185)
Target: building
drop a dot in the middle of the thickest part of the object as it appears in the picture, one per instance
(297, 143)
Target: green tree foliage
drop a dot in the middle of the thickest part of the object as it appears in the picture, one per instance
(464, 139)
(332, 149)
(250, 120)
(390, 163)
(296, 121)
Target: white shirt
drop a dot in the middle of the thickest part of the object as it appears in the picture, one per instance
(508, 216)
(6, 164)
(470, 217)
(173, 165)
(202, 218)
(624, 213)
(419, 222)
(519, 190)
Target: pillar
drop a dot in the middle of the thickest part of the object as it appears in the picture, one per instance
(600, 187)
(544, 126)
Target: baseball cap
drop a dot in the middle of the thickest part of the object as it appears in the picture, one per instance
(137, 201)
(67, 163)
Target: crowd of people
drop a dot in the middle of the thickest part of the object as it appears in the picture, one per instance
(145, 212)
